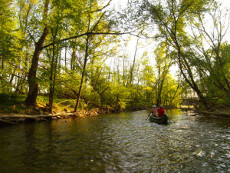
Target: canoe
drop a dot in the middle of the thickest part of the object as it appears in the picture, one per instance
(159, 120)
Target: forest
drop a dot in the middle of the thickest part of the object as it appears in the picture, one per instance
(72, 55)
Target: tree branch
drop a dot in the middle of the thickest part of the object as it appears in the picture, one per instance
(81, 35)
(98, 22)
(100, 9)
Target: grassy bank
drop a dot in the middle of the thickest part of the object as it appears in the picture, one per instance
(14, 111)
(14, 104)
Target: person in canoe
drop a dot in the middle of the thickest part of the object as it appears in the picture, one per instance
(161, 111)
(154, 111)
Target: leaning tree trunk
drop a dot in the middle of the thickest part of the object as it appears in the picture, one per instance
(32, 79)
(82, 75)
(191, 82)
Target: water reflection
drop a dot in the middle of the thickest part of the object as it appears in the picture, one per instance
(124, 142)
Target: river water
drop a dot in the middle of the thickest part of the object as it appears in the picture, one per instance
(125, 142)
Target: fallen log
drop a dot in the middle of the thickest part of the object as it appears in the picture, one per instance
(217, 113)
(12, 119)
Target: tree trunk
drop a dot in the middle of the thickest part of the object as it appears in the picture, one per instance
(51, 78)
(192, 83)
(83, 74)
(73, 60)
(2, 64)
(102, 102)
(52, 84)
(133, 66)
(32, 79)
(65, 56)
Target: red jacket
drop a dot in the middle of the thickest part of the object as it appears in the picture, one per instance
(161, 112)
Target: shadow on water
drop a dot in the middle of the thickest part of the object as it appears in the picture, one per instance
(125, 142)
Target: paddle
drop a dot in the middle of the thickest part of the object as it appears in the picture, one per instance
(148, 116)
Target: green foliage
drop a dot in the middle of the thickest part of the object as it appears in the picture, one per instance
(109, 83)
(11, 99)
(11, 103)
(182, 24)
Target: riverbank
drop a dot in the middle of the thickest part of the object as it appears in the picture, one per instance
(13, 119)
(217, 111)
(19, 113)
(14, 111)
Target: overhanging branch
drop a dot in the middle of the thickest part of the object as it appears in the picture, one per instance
(87, 33)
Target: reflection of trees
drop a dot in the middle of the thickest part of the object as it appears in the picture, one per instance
(30, 154)
(39, 150)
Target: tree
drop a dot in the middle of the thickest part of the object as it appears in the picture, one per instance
(163, 64)
(32, 80)
(9, 47)
(212, 60)
(172, 18)
(148, 81)
(77, 25)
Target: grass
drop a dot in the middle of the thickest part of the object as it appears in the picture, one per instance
(14, 103)
(11, 103)
(11, 99)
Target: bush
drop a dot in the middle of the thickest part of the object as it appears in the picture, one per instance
(11, 99)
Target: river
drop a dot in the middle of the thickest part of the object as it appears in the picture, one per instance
(125, 142)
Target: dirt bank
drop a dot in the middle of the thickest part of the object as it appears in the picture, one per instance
(13, 119)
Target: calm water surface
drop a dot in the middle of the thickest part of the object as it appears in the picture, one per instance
(124, 142)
